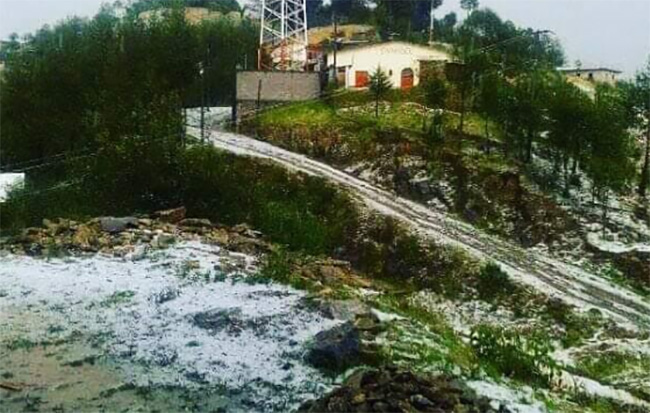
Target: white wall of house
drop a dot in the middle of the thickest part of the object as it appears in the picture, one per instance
(594, 75)
(392, 57)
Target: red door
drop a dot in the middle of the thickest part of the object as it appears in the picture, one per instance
(361, 79)
(407, 79)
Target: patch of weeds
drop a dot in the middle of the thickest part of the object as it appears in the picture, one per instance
(279, 267)
(618, 277)
(219, 277)
(430, 339)
(21, 344)
(187, 268)
(53, 250)
(599, 404)
(118, 298)
(603, 366)
(80, 362)
(508, 353)
(577, 327)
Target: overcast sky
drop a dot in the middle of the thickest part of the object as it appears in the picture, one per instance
(613, 33)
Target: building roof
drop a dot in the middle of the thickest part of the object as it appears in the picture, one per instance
(587, 69)
(407, 46)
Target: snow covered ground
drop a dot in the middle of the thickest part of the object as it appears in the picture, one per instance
(183, 318)
(8, 181)
(535, 268)
(214, 116)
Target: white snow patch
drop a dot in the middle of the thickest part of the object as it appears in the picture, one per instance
(9, 181)
(511, 398)
(261, 350)
(213, 116)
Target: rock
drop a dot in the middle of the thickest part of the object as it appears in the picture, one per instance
(172, 216)
(195, 223)
(85, 237)
(219, 237)
(219, 319)
(162, 240)
(392, 390)
(359, 398)
(420, 402)
(247, 245)
(346, 310)
(115, 225)
(145, 222)
(165, 295)
(336, 349)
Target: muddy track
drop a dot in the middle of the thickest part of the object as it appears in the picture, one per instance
(536, 269)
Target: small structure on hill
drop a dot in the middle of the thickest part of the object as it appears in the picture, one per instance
(595, 75)
(257, 89)
(400, 60)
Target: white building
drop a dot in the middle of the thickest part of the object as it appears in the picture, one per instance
(399, 60)
(595, 75)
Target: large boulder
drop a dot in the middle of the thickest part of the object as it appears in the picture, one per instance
(171, 216)
(336, 349)
(115, 225)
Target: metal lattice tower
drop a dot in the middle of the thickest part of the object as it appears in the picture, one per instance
(283, 34)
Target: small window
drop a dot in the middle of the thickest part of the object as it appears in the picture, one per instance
(390, 72)
(591, 76)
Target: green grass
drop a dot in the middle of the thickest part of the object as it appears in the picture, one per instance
(604, 366)
(118, 298)
(426, 340)
(525, 358)
(309, 114)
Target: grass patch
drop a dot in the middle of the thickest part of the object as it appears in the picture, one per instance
(508, 353)
(118, 298)
(426, 340)
(21, 344)
(604, 366)
(312, 114)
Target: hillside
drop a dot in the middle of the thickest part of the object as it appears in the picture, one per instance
(472, 238)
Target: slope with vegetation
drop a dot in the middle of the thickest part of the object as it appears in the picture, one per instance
(92, 113)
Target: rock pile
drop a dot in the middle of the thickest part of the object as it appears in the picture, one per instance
(392, 390)
(130, 236)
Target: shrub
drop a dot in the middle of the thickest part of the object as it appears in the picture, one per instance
(493, 283)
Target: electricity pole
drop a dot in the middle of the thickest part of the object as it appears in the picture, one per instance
(431, 23)
(336, 71)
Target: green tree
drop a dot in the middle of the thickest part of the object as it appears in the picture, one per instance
(609, 161)
(380, 85)
(570, 112)
(638, 96)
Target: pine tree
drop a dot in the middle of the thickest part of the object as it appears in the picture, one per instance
(379, 86)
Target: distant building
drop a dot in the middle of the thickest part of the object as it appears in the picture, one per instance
(401, 61)
(596, 75)
(258, 89)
